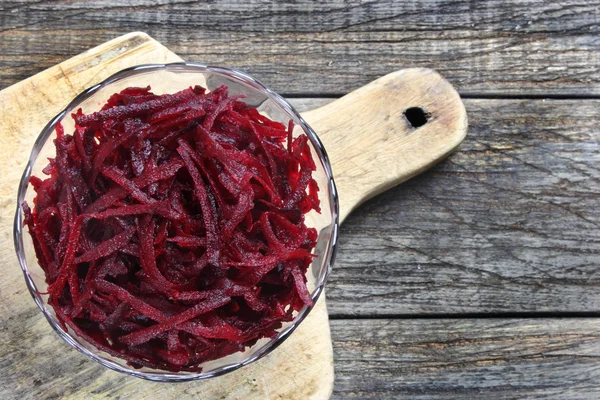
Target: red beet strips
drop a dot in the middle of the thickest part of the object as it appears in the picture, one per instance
(171, 228)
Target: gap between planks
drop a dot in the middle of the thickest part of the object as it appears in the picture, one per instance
(504, 315)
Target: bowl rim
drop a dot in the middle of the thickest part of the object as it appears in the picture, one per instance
(159, 375)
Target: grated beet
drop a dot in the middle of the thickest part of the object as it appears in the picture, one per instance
(171, 228)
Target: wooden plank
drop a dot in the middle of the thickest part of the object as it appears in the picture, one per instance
(485, 47)
(467, 359)
(509, 223)
(34, 362)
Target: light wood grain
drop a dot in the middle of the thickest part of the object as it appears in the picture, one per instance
(35, 363)
(508, 224)
(370, 141)
(306, 47)
(467, 359)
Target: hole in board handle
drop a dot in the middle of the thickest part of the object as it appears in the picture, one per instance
(416, 116)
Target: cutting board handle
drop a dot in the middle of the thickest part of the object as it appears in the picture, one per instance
(388, 131)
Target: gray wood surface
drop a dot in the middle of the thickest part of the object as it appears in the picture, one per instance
(509, 223)
(507, 226)
(467, 359)
(307, 47)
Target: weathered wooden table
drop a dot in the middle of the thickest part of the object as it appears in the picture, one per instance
(479, 278)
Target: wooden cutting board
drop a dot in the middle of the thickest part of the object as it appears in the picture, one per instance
(372, 145)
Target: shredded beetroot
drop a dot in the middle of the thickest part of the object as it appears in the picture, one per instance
(171, 228)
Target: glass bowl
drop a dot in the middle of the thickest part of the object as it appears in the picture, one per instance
(168, 79)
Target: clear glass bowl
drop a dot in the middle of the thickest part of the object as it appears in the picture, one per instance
(169, 79)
